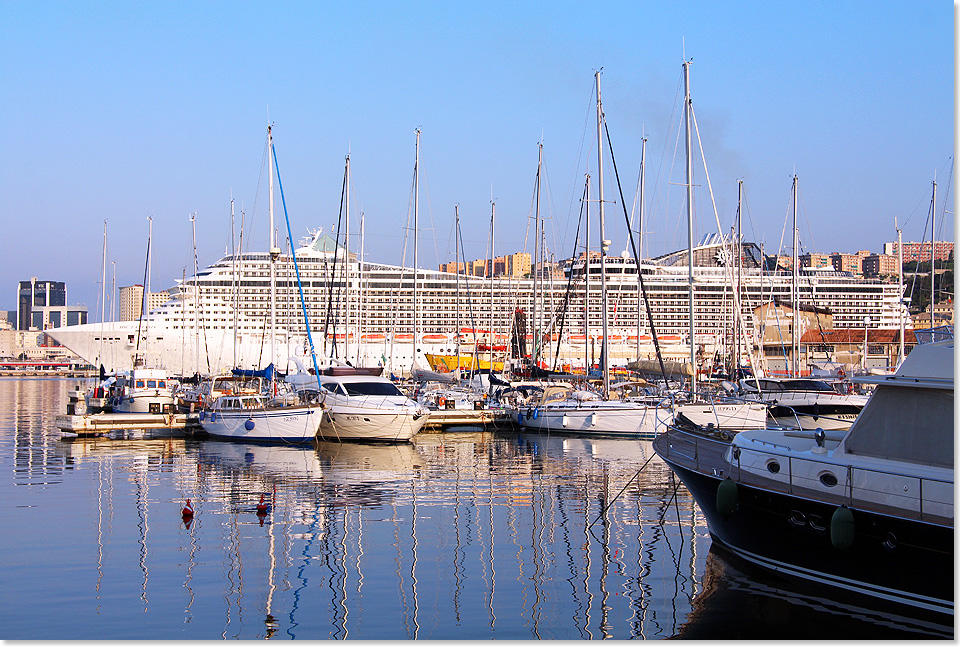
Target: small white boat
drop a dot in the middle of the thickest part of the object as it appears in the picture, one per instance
(564, 409)
(258, 418)
(143, 390)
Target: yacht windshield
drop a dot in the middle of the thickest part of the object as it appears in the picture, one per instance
(379, 388)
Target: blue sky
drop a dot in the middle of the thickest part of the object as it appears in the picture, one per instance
(120, 111)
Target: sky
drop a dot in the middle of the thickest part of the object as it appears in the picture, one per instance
(120, 112)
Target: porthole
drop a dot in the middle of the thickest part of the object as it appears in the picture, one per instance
(828, 479)
(773, 466)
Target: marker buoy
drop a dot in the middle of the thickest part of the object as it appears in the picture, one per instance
(262, 507)
(188, 510)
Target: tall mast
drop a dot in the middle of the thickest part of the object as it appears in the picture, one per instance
(416, 227)
(604, 243)
(900, 287)
(103, 282)
(933, 250)
(643, 157)
(493, 213)
(688, 108)
(537, 280)
(587, 346)
(346, 270)
(196, 292)
(360, 303)
(233, 255)
(795, 332)
(738, 269)
(274, 254)
(456, 251)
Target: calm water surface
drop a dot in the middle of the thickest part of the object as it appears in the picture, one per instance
(461, 535)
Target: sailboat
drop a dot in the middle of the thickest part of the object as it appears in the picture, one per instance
(270, 415)
(142, 389)
(724, 413)
(565, 409)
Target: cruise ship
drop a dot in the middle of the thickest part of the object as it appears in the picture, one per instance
(372, 314)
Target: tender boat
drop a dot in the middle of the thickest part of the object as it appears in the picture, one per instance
(868, 510)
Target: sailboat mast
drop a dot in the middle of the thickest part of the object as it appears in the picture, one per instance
(416, 228)
(493, 213)
(933, 250)
(738, 268)
(346, 269)
(643, 158)
(688, 108)
(795, 332)
(604, 243)
(274, 253)
(587, 346)
(537, 278)
(360, 290)
(233, 255)
(900, 289)
(456, 251)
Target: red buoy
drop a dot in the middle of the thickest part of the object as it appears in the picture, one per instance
(188, 510)
(262, 507)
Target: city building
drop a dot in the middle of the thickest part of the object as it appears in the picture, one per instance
(877, 265)
(515, 265)
(815, 260)
(920, 251)
(42, 305)
(131, 301)
(856, 348)
(852, 262)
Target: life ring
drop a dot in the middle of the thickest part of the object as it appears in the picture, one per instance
(841, 373)
(442, 402)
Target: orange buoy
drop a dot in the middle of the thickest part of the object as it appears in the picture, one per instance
(188, 509)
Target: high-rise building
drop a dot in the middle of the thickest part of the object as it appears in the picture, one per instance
(919, 251)
(42, 305)
(131, 301)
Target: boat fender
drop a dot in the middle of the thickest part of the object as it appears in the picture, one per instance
(536, 413)
(202, 415)
(249, 424)
(727, 498)
(842, 528)
(520, 417)
(565, 420)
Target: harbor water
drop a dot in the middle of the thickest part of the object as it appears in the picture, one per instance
(467, 534)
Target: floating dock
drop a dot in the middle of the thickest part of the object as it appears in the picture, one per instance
(441, 419)
(101, 423)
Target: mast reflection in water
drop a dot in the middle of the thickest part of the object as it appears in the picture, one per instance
(464, 535)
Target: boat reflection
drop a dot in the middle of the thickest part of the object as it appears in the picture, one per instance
(773, 607)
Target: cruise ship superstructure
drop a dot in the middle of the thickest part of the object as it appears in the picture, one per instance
(219, 319)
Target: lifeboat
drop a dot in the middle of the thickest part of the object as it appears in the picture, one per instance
(373, 338)
(403, 338)
(435, 338)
